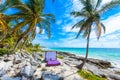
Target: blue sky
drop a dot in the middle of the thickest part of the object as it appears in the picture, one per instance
(63, 36)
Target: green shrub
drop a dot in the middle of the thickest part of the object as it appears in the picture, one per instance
(60, 57)
(89, 76)
(4, 51)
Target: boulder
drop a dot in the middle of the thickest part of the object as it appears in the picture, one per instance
(18, 58)
(5, 77)
(2, 72)
(100, 63)
(27, 70)
(50, 76)
(37, 74)
(114, 76)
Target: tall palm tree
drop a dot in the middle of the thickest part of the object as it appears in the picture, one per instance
(30, 14)
(91, 14)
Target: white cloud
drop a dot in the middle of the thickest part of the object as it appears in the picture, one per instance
(76, 5)
(38, 30)
(105, 1)
(112, 23)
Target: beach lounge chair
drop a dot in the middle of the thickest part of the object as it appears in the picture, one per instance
(51, 58)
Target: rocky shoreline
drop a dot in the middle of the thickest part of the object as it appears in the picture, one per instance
(98, 67)
(25, 66)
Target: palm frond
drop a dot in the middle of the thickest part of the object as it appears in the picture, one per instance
(83, 2)
(89, 6)
(85, 33)
(98, 29)
(48, 15)
(87, 29)
(79, 24)
(20, 25)
(12, 2)
(78, 14)
(109, 6)
(83, 28)
(2, 7)
(103, 26)
(98, 4)
(22, 8)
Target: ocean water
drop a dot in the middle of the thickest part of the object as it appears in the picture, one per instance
(107, 54)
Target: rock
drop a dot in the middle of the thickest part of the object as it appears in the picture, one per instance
(24, 78)
(114, 76)
(34, 63)
(5, 77)
(11, 73)
(7, 65)
(2, 72)
(18, 58)
(1, 58)
(37, 74)
(66, 54)
(93, 69)
(27, 70)
(50, 76)
(100, 63)
(6, 59)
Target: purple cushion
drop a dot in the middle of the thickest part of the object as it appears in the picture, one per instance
(53, 63)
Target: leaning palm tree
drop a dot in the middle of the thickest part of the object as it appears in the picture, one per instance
(30, 14)
(91, 14)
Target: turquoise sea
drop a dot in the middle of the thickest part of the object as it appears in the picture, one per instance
(108, 54)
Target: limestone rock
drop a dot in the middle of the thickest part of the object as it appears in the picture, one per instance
(50, 76)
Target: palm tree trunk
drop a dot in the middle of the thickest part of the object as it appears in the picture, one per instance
(16, 45)
(87, 50)
(23, 45)
(4, 35)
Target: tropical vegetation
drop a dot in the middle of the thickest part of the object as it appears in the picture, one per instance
(27, 15)
(91, 20)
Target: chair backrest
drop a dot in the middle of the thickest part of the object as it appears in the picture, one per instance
(50, 55)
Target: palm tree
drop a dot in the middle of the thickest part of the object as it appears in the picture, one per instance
(30, 14)
(91, 14)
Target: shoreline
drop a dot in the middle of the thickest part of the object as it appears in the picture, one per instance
(89, 57)
(115, 62)
(96, 66)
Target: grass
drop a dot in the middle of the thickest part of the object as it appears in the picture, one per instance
(89, 76)
(60, 57)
